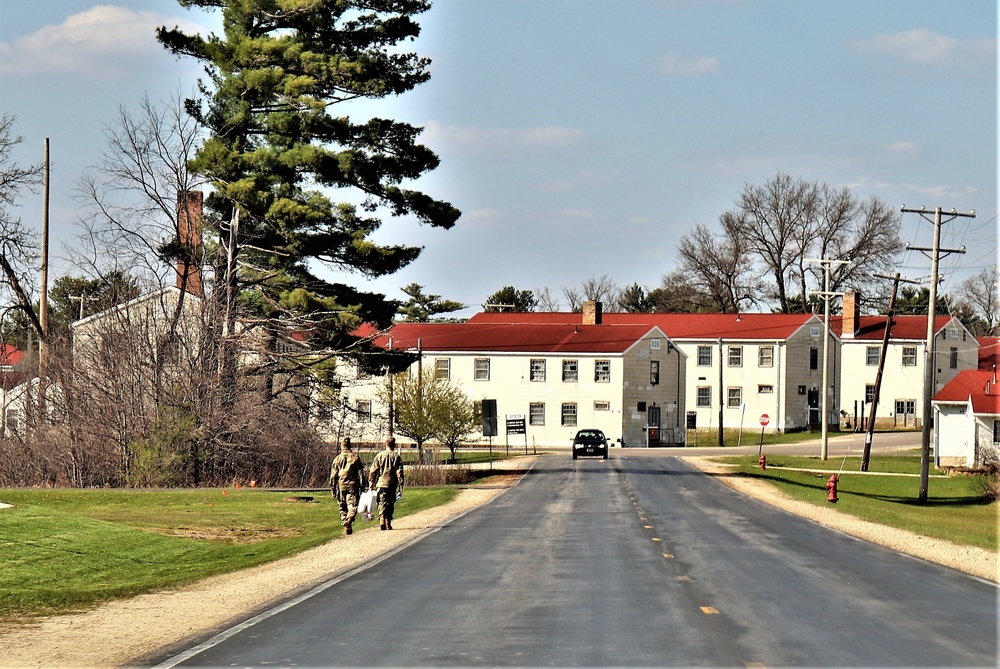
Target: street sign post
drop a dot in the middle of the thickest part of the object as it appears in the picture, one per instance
(764, 420)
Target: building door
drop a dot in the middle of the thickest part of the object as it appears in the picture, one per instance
(652, 425)
(813, 400)
(906, 413)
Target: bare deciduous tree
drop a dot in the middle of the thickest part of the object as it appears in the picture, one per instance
(19, 250)
(786, 221)
(547, 301)
(678, 293)
(720, 267)
(130, 197)
(981, 292)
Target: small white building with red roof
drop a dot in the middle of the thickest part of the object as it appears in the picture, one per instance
(967, 420)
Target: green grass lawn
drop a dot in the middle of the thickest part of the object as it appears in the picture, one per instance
(66, 549)
(955, 510)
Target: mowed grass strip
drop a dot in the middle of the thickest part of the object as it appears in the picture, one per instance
(64, 550)
(956, 509)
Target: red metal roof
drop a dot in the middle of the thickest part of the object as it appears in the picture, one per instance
(979, 384)
(676, 326)
(10, 355)
(514, 337)
(903, 327)
(989, 352)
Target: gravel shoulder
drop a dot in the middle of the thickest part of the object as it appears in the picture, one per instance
(969, 559)
(122, 632)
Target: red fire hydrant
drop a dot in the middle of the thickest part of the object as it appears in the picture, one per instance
(762, 462)
(831, 487)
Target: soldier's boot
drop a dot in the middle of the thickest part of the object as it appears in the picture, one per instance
(388, 524)
(382, 524)
(347, 528)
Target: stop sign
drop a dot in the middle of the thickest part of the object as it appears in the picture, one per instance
(764, 419)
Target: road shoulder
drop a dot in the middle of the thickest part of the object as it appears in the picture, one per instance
(969, 559)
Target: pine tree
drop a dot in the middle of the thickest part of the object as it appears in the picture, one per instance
(279, 144)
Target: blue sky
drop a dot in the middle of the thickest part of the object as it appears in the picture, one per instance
(584, 138)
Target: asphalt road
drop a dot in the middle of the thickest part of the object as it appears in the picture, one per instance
(638, 561)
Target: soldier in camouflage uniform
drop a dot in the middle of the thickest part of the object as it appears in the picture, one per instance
(347, 476)
(386, 477)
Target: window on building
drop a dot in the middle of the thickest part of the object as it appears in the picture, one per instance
(601, 405)
(442, 368)
(735, 356)
(537, 369)
(765, 389)
(362, 372)
(570, 371)
(654, 372)
(869, 393)
(654, 344)
(953, 357)
(364, 409)
(909, 356)
(996, 430)
(704, 398)
(872, 355)
(814, 331)
(569, 414)
(814, 358)
(704, 356)
(536, 413)
(482, 369)
(602, 371)
(765, 356)
(734, 397)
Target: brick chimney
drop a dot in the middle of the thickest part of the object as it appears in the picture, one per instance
(189, 230)
(852, 315)
(593, 312)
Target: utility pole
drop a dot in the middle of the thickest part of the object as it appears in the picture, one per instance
(43, 295)
(82, 299)
(935, 254)
(826, 295)
(722, 394)
(869, 432)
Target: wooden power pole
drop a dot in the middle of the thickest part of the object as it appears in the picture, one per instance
(935, 255)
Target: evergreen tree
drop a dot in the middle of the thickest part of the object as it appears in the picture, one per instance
(509, 298)
(420, 308)
(276, 149)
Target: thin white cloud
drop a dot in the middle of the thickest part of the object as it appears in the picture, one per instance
(102, 42)
(483, 214)
(941, 192)
(674, 64)
(921, 46)
(503, 141)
